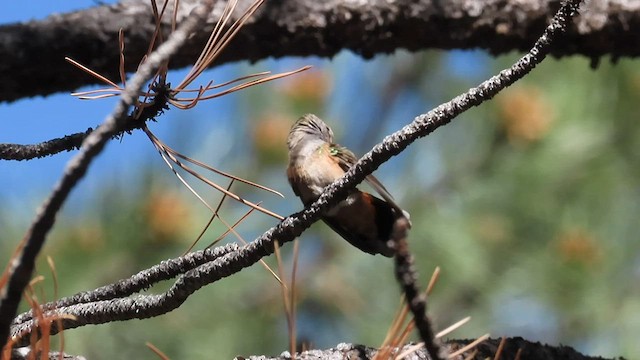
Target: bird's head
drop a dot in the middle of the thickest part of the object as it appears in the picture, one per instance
(309, 127)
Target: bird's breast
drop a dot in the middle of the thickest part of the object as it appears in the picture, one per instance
(311, 171)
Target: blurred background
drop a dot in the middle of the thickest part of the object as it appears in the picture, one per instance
(529, 204)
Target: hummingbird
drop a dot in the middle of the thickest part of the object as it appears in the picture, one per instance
(315, 161)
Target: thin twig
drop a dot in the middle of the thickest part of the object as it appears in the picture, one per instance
(416, 301)
(469, 346)
(213, 216)
(157, 351)
(230, 228)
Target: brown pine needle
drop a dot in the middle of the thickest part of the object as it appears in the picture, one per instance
(243, 241)
(164, 156)
(395, 334)
(434, 279)
(233, 226)
(469, 346)
(287, 297)
(202, 61)
(111, 92)
(54, 276)
(453, 327)
(213, 216)
(398, 320)
(174, 20)
(218, 40)
(43, 333)
(219, 172)
(164, 153)
(409, 351)
(40, 340)
(518, 354)
(472, 355)
(14, 339)
(410, 326)
(157, 351)
(190, 101)
(158, 80)
(210, 85)
(4, 279)
(283, 280)
(92, 73)
(36, 280)
(405, 334)
(233, 30)
(223, 190)
(123, 75)
(97, 97)
(167, 149)
(503, 341)
(157, 33)
(294, 270)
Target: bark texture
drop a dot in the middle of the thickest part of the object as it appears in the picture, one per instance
(33, 52)
(486, 350)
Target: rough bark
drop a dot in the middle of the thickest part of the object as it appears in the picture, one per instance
(33, 52)
(486, 350)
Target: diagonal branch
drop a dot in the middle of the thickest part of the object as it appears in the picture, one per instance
(152, 305)
(416, 300)
(54, 146)
(22, 266)
(141, 281)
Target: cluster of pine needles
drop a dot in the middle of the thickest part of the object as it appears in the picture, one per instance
(160, 95)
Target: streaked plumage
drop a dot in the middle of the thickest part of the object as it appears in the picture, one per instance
(315, 161)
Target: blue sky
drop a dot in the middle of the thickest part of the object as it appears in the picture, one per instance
(16, 11)
(61, 114)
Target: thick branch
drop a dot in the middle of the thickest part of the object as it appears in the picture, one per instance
(33, 52)
(143, 280)
(486, 350)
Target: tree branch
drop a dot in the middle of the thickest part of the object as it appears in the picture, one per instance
(152, 305)
(143, 280)
(54, 146)
(486, 350)
(33, 52)
(416, 300)
(21, 267)
(50, 147)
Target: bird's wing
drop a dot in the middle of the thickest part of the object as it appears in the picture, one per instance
(346, 159)
(354, 239)
(293, 180)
